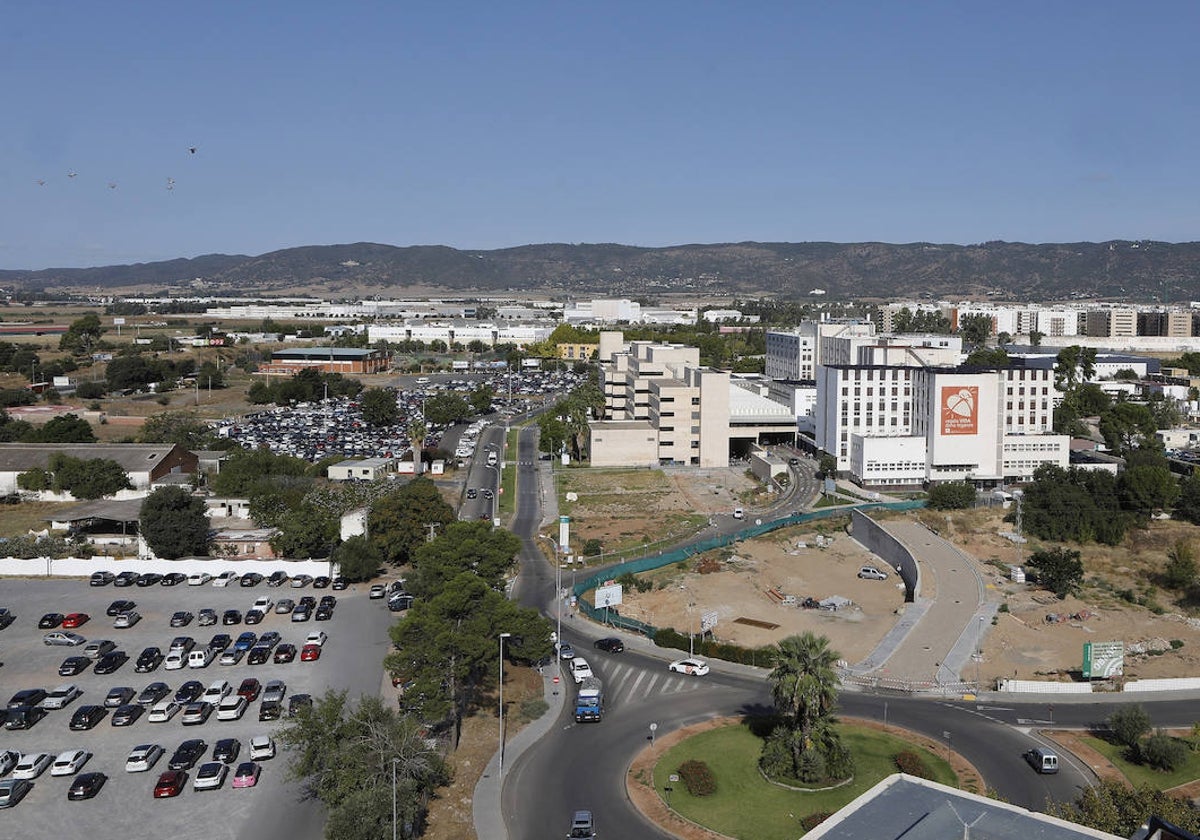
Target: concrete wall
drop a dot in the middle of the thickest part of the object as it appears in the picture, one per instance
(84, 566)
(879, 542)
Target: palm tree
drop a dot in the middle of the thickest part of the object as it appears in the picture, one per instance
(416, 435)
(804, 687)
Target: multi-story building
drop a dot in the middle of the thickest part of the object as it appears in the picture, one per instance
(793, 356)
(344, 360)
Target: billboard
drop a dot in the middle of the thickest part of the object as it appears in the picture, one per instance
(1102, 660)
(960, 410)
(608, 596)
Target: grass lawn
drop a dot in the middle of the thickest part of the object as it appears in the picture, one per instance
(1141, 774)
(16, 520)
(746, 806)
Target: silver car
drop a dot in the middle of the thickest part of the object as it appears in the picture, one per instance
(64, 638)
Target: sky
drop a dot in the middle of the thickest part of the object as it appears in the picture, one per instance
(487, 125)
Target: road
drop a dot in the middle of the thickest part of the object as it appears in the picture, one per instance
(481, 477)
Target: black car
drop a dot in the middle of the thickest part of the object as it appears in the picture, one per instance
(340, 583)
(254, 616)
(173, 579)
(126, 715)
(181, 618)
(86, 717)
(226, 750)
(277, 579)
(6, 617)
(152, 693)
(24, 717)
(188, 692)
(298, 703)
(251, 579)
(219, 642)
(110, 662)
(307, 601)
(610, 645)
(270, 710)
(126, 579)
(27, 697)
(323, 613)
(187, 754)
(86, 785)
(258, 655)
(149, 659)
(118, 607)
(328, 601)
(231, 617)
(49, 621)
(149, 579)
(73, 666)
(320, 582)
(101, 579)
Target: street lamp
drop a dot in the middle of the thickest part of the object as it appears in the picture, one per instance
(503, 636)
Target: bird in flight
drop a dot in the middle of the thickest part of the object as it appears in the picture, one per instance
(72, 174)
(112, 185)
(41, 182)
(170, 183)
(192, 149)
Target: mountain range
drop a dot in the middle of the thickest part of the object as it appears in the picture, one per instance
(1134, 270)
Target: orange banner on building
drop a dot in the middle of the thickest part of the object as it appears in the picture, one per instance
(960, 410)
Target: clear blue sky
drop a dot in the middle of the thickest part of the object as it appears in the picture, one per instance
(490, 124)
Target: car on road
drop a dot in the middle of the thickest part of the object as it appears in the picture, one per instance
(148, 660)
(163, 711)
(610, 645)
(583, 826)
(377, 592)
(119, 606)
(284, 654)
(694, 667)
(206, 617)
(13, 791)
(69, 762)
(173, 579)
(32, 765)
(127, 714)
(59, 697)
(110, 662)
(63, 638)
(262, 748)
(170, 784)
(199, 578)
(118, 696)
(153, 693)
(310, 653)
(101, 578)
(126, 620)
(189, 692)
(86, 786)
(197, 713)
(143, 757)
(188, 753)
(580, 669)
(50, 620)
(73, 620)
(246, 774)
(181, 618)
(99, 647)
(472, 493)
(86, 717)
(73, 666)
(565, 651)
(210, 776)
(871, 573)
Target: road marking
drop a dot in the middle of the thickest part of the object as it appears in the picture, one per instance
(633, 688)
(650, 685)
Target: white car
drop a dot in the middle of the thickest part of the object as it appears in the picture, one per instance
(163, 711)
(580, 669)
(694, 667)
(225, 578)
(261, 747)
(142, 758)
(377, 591)
(211, 775)
(316, 637)
(175, 660)
(60, 697)
(32, 765)
(8, 760)
(231, 708)
(199, 578)
(68, 763)
(263, 604)
(216, 692)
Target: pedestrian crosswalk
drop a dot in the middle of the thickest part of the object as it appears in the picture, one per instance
(626, 684)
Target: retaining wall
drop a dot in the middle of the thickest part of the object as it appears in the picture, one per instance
(878, 541)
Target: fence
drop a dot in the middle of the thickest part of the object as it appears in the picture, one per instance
(658, 561)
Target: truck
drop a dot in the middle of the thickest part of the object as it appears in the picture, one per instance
(589, 702)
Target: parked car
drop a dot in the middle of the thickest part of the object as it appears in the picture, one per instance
(148, 660)
(187, 754)
(231, 617)
(219, 642)
(58, 698)
(206, 617)
(310, 653)
(50, 620)
(153, 693)
(320, 582)
(173, 579)
(245, 641)
(126, 579)
(170, 784)
(377, 591)
(149, 579)
(63, 638)
(110, 662)
(189, 692)
(285, 653)
(27, 697)
(69, 762)
(101, 578)
(183, 644)
(98, 648)
(127, 619)
(254, 616)
(86, 717)
(199, 578)
(270, 710)
(251, 579)
(225, 579)
(231, 656)
(23, 717)
(118, 696)
(301, 581)
(163, 711)
(340, 583)
(181, 618)
(232, 707)
(274, 691)
(197, 713)
(298, 703)
(246, 774)
(277, 578)
(143, 757)
(127, 714)
(73, 620)
(262, 748)
(32, 765)
(871, 573)
(119, 606)
(226, 750)
(210, 776)
(73, 666)
(86, 786)
(175, 660)
(284, 606)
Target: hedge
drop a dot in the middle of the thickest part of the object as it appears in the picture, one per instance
(912, 764)
(698, 778)
(764, 657)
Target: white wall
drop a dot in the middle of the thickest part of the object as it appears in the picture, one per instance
(85, 566)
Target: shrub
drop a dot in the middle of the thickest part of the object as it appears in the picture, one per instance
(909, 762)
(1176, 644)
(533, 708)
(698, 778)
(814, 819)
(1162, 752)
(1129, 724)
(592, 548)
(91, 391)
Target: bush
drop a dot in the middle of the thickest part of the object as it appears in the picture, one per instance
(533, 708)
(668, 637)
(1129, 724)
(953, 495)
(814, 819)
(1176, 644)
(91, 391)
(909, 762)
(592, 548)
(1162, 752)
(698, 778)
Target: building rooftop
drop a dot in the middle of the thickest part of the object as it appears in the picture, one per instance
(133, 457)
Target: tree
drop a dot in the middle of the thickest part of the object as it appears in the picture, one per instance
(552, 433)
(93, 478)
(988, 357)
(1187, 507)
(247, 467)
(952, 495)
(13, 430)
(1113, 807)
(357, 559)
(1180, 573)
(417, 430)
(472, 546)
(1129, 724)
(804, 689)
(975, 328)
(1059, 570)
(1127, 426)
(82, 335)
(827, 465)
(305, 532)
(348, 755)
(481, 398)
(1162, 752)
(379, 406)
(1146, 489)
(174, 523)
(399, 522)
(66, 428)
(183, 428)
(446, 408)
(1035, 338)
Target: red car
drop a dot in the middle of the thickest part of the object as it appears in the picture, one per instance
(74, 620)
(310, 652)
(170, 783)
(249, 689)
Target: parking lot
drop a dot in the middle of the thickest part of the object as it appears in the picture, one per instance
(351, 660)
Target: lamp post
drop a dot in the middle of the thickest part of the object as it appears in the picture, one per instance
(395, 761)
(503, 636)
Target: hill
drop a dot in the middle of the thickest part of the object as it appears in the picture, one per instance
(1141, 270)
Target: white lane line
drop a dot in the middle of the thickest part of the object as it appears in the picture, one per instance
(633, 688)
(650, 685)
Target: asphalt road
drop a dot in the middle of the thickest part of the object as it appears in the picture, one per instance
(272, 809)
(480, 476)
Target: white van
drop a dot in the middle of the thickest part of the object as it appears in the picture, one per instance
(1042, 760)
(491, 459)
(201, 657)
(738, 513)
